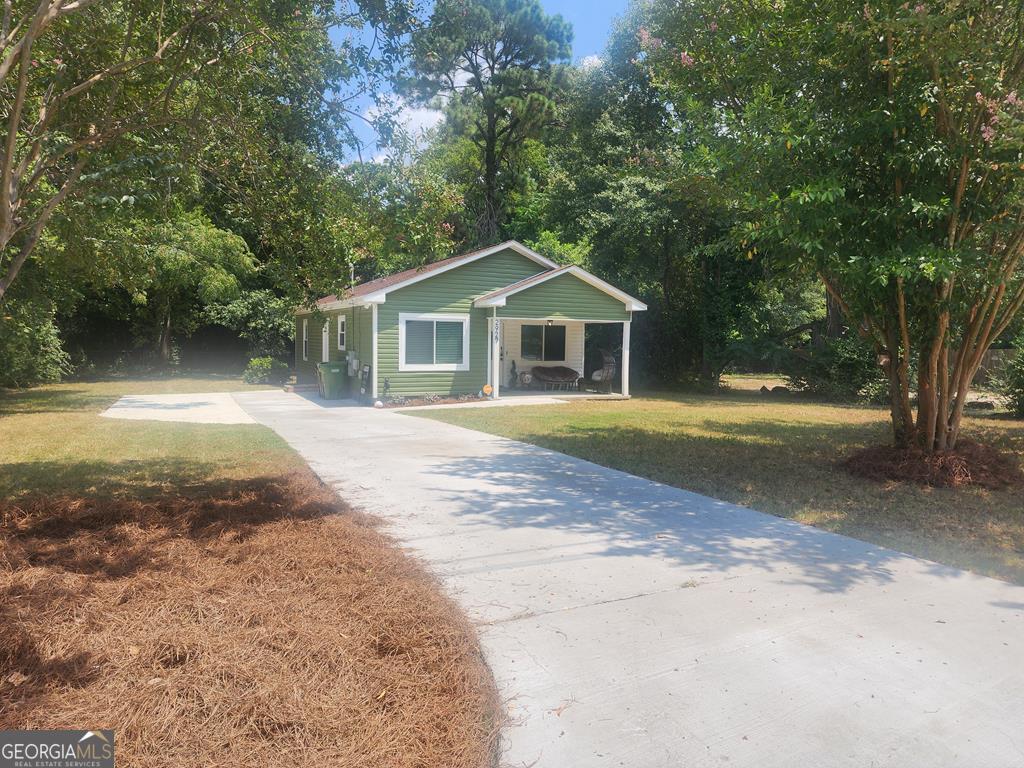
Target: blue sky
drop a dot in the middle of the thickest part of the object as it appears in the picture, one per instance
(591, 23)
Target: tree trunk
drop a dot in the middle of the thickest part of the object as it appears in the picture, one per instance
(165, 338)
(487, 224)
(833, 317)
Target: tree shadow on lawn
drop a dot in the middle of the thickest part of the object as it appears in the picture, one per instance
(104, 479)
(529, 487)
(31, 401)
(57, 551)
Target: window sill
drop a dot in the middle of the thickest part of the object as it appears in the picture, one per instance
(432, 367)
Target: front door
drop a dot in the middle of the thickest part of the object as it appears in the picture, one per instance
(325, 353)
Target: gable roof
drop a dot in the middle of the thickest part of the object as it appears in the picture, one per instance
(375, 291)
(498, 298)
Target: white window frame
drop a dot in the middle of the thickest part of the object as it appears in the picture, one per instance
(305, 339)
(342, 336)
(404, 317)
(325, 341)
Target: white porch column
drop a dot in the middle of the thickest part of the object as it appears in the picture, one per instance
(373, 346)
(495, 353)
(625, 358)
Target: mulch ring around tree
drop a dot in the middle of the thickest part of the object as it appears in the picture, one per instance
(969, 463)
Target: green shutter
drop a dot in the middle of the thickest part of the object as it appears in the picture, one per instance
(419, 342)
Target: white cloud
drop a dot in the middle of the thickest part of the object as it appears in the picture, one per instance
(420, 119)
(416, 120)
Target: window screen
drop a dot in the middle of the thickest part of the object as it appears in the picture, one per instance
(419, 342)
(448, 342)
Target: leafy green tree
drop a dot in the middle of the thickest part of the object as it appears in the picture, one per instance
(263, 319)
(30, 345)
(186, 264)
(627, 181)
(91, 89)
(495, 65)
(878, 146)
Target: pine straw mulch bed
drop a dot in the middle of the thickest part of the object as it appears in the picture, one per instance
(969, 464)
(241, 626)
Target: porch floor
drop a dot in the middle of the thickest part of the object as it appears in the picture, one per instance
(524, 397)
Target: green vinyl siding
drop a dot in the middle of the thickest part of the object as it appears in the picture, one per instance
(564, 297)
(450, 292)
(306, 369)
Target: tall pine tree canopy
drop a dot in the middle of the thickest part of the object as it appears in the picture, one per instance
(495, 66)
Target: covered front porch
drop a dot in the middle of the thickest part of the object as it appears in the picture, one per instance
(557, 357)
(561, 333)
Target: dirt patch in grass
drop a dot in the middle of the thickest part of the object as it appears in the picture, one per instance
(969, 464)
(246, 625)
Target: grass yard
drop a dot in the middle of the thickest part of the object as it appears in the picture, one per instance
(195, 588)
(781, 457)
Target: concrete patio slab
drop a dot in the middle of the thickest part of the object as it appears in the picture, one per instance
(629, 623)
(207, 408)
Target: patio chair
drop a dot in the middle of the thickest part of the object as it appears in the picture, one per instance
(604, 375)
(555, 376)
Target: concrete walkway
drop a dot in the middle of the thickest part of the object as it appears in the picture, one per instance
(633, 624)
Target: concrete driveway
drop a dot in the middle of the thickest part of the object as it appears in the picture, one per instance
(633, 624)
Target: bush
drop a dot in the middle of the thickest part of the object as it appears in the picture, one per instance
(265, 370)
(840, 369)
(30, 345)
(1009, 382)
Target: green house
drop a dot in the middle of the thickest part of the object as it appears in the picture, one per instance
(457, 325)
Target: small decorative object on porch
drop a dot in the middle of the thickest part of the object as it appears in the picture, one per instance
(488, 389)
(513, 377)
(604, 375)
(555, 376)
(525, 379)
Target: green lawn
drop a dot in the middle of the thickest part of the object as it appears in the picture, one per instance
(53, 440)
(781, 457)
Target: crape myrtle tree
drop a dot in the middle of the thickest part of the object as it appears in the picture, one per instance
(495, 66)
(880, 146)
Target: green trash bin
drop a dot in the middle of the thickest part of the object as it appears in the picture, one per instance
(333, 379)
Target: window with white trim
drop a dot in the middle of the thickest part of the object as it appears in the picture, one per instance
(342, 329)
(305, 339)
(433, 342)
